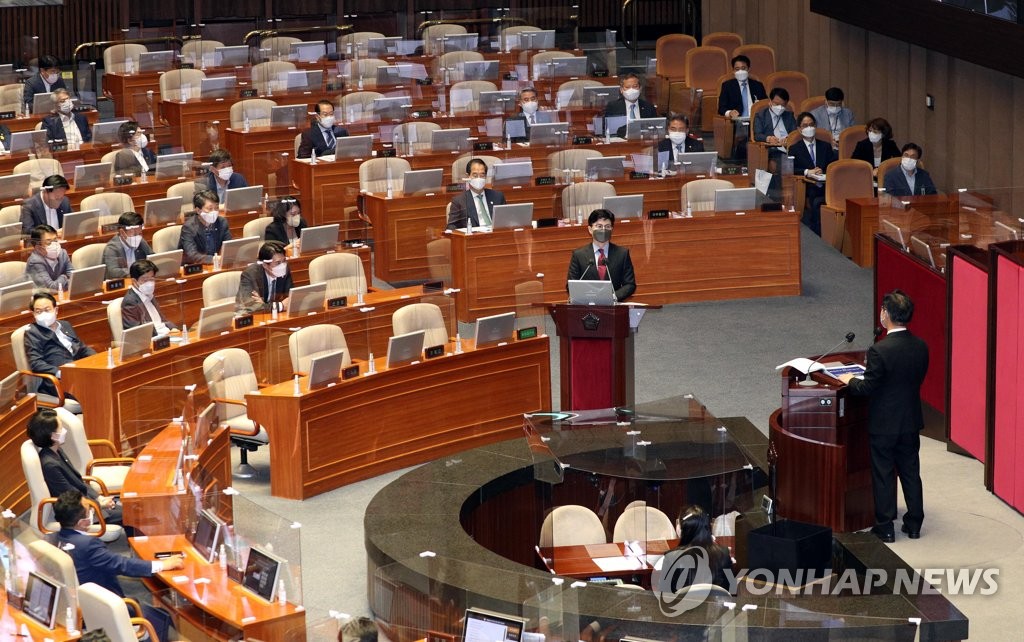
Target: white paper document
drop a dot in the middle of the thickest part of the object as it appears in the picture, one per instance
(620, 563)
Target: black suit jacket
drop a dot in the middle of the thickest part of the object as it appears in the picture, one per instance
(463, 203)
(95, 563)
(55, 128)
(134, 313)
(865, 151)
(618, 108)
(34, 85)
(276, 231)
(620, 268)
(61, 476)
(254, 279)
(824, 155)
(896, 367)
(47, 354)
(33, 213)
(896, 184)
(313, 139)
(193, 239)
(730, 97)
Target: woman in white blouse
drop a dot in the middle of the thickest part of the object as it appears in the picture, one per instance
(135, 158)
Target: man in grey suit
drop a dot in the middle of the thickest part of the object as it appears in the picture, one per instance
(896, 367)
(773, 125)
(477, 203)
(126, 247)
(139, 305)
(601, 260)
(49, 265)
(48, 207)
(834, 115)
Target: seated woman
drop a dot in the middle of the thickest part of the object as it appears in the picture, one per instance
(288, 222)
(878, 146)
(697, 559)
(135, 158)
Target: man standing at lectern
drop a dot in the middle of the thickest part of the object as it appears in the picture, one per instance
(602, 260)
(896, 367)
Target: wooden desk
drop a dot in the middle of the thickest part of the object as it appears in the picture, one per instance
(13, 488)
(721, 256)
(578, 561)
(26, 124)
(189, 120)
(140, 191)
(128, 91)
(11, 622)
(862, 221)
(400, 417)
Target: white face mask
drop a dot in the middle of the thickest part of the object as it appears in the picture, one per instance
(530, 107)
(741, 74)
(53, 251)
(133, 241)
(66, 106)
(208, 217)
(833, 110)
(279, 270)
(60, 436)
(327, 121)
(146, 289)
(46, 319)
(225, 173)
(477, 183)
(875, 137)
(909, 164)
(294, 220)
(808, 132)
(777, 109)
(141, 141)
(631, 95)
(52, 78)
(677, 138)
(86, 522)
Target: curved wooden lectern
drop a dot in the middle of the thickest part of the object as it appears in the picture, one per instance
(819, 442)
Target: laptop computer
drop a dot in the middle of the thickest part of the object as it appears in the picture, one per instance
(136, 341)
(698, 162)
(320, 238)
(168, 264)
(86, 281)
(92, 175)
(16, 297)
(514, 173)
(325, 369)
(307, 51)
(305, 80)
(41, 598)
(739, 199)
(353, 146)
(307, 298)
(43, 103)
(480, 70)
(240, 252)
(392, 107)
(380, 47)
(599, 96)
(289, 115)
(628, 206)
(495, 329)
(105, 133)
(653, 128)
(575, 66)
(544, 39)
(28, 141)
(233, 56)
(604, 167)
(497, 102)
(216, 319)
(449, 140)
(10, 236)
(243, 198)
(549, 133)
(261, 573)
(156, 60)
(405, 348)
(218, 87)
(81, 224)
(460, 41)
(174, 165)
(582, 292)
(512, 216)
(163, 211)
(419, 181)
(15, 186)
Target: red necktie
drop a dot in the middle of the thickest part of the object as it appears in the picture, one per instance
(602, 267)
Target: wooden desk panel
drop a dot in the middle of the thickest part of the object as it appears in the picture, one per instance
(124, 89)
(862, 221)
(12, 620)
(675, 260)
(397, 418)
(27, 124)
(13, 488)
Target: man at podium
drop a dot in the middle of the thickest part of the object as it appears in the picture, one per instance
(896, 367)
(602, 260)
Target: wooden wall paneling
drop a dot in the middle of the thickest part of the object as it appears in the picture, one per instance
(940, 131)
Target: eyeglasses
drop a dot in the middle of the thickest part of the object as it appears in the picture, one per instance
(598, 226)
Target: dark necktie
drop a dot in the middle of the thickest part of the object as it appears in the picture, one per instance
(329, 137)
(602, 267)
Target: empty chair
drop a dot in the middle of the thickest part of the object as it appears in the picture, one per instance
(229, 375)
(356, 39)
(643, 523)
(111, 205)
(571, 94)
(459, 166)
(727, 40)
(104, 609)
(762, 57)
(795, 82)
(670, 53)
(221, 287)
(257, 110)
(366, 71)
(416, 134)
(12, 272)
(316, 341)
(848, 178)
(10, 97)
(272, 75)
(186, 190)
(357, 105)
(166, 238)
(848, 139)
(256, 227)
(583, 198)
(465, 95)
(88, 256)
(432, 46)
(342, 272)
(172, 83)
(453, 62)
(704, 67)
(571, 159)
(39, 168)
(110, 471)
(810, 104)
(571, 525)
(373, 174)
(200, 52)
(699, 195)
(277, 47)
(115, 320)
(539, 61)
(32, 379)
(116, 57)
(10, 214)
(421, 316)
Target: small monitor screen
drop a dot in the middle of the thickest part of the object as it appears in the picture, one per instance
(207, 535)
(495, 329)
(261, 572)
(487, 626)
(41, 599)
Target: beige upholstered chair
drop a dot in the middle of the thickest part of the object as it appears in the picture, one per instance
(104, 609)
(358, 38)
(795, 82)
(272, 75)
(725, 39)
(539, 62)
(10, 97)
(115, 321)
(193, 51)
(186, 190)
(570, 93)
(229, 375)
(643, 523)
(12, 272)
(315, 341)
(366, 69)
(356, 106)
(257, 227)
(32, 378)
(670, 52)
(257, 109)
(584, 198)
(453, 61)
(39, 169)
(508, 43)
(221, 288)
(572, 525)
(465, 96)
(171, 83)
(459, 166)
(115, 57)
(342, 272)
(416, 134)
(277, 47)
(109, 471)
(421, 316)
(373, 174)
(848, 139)
(166, 238)
(110, 204)
(41, 517)
(762, 58)
(700, 194)
(570, 159)
(10, 214)
(847, 178)
(431, 45)
(88, 256)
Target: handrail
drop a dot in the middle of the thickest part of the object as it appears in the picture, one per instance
(270, 33)
(172, 40)
(630, 41)
(466, 21)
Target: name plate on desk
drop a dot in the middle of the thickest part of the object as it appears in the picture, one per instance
(244, 321)
(771, 207)
(187, 65)
(732, 170)
(582, 140)
(6, 115)
(161, 343)
(433, 286)
(113, 284)
(337, 302)
(350, 372)
(639, 176)
(59, 147)
(657, 214)
(485, 146)
(526, 333)
(544, 180)
(390, 152)
(547, 222)
(194, 268)
(425, 81)
(248, 93)
(433, 351)
(455, 187)
(422, 113)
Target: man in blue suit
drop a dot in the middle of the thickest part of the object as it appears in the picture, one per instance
(811, 158)
(908, 179)
(223, 176)
(48, 79)
(322, 135)
(773, 125)
(65, 125)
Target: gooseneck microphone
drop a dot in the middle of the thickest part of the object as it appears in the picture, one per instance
(807, 379)
(589, 265)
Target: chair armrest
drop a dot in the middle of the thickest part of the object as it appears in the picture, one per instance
(133, 604)
(52, 379)
(145, 628)
(53, 500)
(235, 402)
(299, 374)
(108, 461)
(106, 443)
(99, 482)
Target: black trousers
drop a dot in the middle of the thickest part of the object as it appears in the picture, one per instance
(811, 216)
(893, 455)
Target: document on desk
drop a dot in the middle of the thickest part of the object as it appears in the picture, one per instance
(620, 563)
(836, 369)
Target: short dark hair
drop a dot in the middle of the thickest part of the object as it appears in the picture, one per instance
(680, 117)
(898, 306)
(269, 249)
(526, 89)
(55, 181)
(475, 161)
(127, 130)
(68, 509)
(37, 233)
(835, 94)
(806, 114)
(913, 146)
(48, 61)
(882, 125)
(41, 295)
(322, 102)
(218, 156)
(41, 426)
(141, 267)
(283, 205)
(599, 214)
(779, 91)
(739, 58)
(202, 197)
(129, 219)
(623, 79)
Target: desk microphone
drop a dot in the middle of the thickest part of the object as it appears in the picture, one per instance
(810, 382)
(589, 265)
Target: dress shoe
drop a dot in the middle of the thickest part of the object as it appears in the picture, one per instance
(886, 536)
(911, 533)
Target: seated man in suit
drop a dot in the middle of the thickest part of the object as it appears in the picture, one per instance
(735, 98)
(908, 179)
(139, 306)
(222, 176)
(833, 112)
(50, 343)
(629, 104)
(47, 80)
(811, 157)
(49, 265)
(204, 232)
(602, 260)
(136, 158)
(265, 284)
(48, 207)
(5, 138)
(126, 247)
(773, 125)
(64, 124)
(322, 133)
(95, 563)
(526, 114)
(476, 203)
(677, 143)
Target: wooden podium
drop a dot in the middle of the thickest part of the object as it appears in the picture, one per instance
(818, 443)
(595, 354)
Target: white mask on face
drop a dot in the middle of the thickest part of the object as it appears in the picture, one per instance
(225, 173)
(142, 141)
(294, 220)
(327, 121)
(778, 109)
(133, 241)
(530, 107)
(677, 138)
(477, 183)
(875, 137)
(53, 251)
(66, 106)
(832, 110)
(60, 436)
(279, 270)
(51, 78)
(909, 164)
(807, 132)
(208, 217)
(631, 95)
(46, 319)
(147, 289)
(741, 74)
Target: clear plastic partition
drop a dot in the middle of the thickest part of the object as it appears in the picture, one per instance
(85, 81)
(272, 169)
(264, 546)
(143, 108)
(22, 555)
